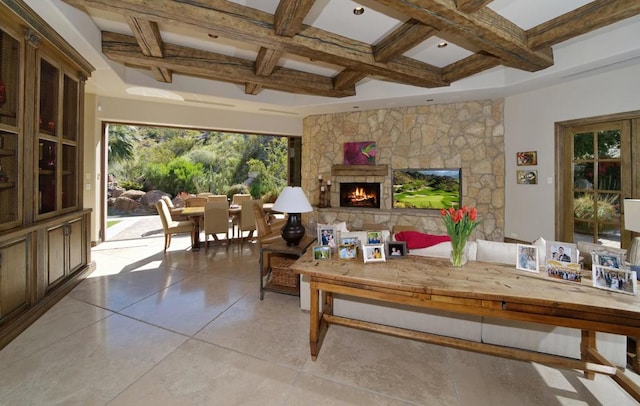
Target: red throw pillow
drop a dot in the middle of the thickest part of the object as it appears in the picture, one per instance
(416, 239)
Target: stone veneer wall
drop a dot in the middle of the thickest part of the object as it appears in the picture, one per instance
(466, 135)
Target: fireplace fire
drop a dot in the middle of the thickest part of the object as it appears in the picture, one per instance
(360, 194)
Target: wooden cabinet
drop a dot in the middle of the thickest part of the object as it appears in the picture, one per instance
(44, 230)
(11, 130)
(64, 243)
(58, 118)
(14, 266)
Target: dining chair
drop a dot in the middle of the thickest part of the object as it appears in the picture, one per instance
(247, 220)
(175, 211)
(218, 198)
(195, 201)
(238, 198)
(171, 227)
(204, 194)
(216, 221)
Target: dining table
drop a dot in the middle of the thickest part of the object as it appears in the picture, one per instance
(196, 214)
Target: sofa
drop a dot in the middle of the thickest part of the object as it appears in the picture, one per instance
(561, 341)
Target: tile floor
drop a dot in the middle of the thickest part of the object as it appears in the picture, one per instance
(186, 328)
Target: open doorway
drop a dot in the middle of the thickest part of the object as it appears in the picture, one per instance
(139, 159)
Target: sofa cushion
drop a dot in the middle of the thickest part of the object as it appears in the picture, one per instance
(416, 239)
(496, 251)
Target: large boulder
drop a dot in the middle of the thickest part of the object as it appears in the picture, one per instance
(116, 191)
(126, 205)
(133, 194)
(151, 197)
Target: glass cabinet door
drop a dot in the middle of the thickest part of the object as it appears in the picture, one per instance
(48, 141)
(57, 140)
(69, 142)
(10, 131)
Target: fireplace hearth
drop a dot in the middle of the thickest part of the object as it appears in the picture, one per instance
(360, 194)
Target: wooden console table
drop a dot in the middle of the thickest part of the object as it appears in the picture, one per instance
(480, 289)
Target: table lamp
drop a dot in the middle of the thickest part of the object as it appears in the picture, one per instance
(292, 201)
(632, 223)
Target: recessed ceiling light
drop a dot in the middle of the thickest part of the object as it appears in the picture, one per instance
(358, 10)
(442, 44)
(356, 107)
(429, 100)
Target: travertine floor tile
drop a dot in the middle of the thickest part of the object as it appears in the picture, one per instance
(89, 367)
(199, 373)
(274, 329)
(189, 304)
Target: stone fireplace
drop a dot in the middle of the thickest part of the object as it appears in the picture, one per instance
(360, 194)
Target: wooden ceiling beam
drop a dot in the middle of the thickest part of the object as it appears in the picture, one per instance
(404, 38)
(193, 62)
(484, 29)
(469, 6)
(407, 36)
(289, 16)
(589, 17)
(264, 65)
(230, 20)
(469, 66)
(150, 42)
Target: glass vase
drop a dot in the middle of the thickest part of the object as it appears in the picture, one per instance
(458, 256)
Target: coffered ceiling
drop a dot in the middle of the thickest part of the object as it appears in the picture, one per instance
(298, 57)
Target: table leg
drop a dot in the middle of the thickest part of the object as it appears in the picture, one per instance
(261, 275)
(588, 341)
(314, 325)
(196, 237)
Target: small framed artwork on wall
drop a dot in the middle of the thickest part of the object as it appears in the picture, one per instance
(360, 153)
(527, 158)
(527, 177)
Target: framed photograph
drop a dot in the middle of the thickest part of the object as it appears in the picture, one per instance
(527, 258)
(360, 153)
(347, 251)
(607, 259)
(374, 237)
(562, 251)
(349, 240)
(327, 235)
(527, 177)
(564, 271)
(527, 158)
(321, 252)
(396, 249)
(615, 279)
(374, 253)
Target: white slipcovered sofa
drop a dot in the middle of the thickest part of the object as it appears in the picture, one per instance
(561, 341)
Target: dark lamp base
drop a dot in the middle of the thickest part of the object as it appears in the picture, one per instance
(293, 231)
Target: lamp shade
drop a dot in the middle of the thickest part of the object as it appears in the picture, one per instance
(292, 200)
(632, 215)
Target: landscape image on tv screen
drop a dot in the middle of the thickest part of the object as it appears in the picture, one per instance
(426, 188)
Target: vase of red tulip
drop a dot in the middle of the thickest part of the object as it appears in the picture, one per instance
(460, 224)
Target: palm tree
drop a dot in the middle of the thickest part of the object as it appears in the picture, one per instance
(120, 143)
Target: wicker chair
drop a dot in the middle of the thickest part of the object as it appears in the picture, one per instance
(267, 233)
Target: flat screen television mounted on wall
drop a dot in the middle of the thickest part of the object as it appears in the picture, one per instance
(427, 188)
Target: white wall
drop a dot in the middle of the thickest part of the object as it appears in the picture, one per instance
(529, 126)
